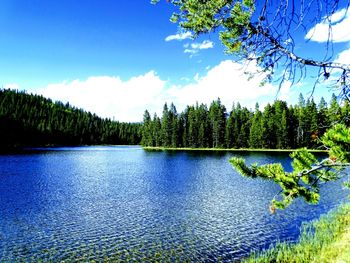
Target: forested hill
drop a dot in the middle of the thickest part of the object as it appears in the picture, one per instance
(32, 120)
(278, 125)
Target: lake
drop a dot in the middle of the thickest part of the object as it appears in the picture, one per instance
(127, 204)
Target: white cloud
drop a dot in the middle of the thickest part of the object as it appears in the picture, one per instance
(204, 45)
(343, 57)
(180, 36)
(227, 81)
(195, 47)
(109, 96)
(339, 23)
(13, 86)
(190, 51)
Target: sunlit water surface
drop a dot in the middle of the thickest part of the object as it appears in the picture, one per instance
(123, 203)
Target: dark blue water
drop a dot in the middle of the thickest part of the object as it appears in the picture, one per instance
(123, 203)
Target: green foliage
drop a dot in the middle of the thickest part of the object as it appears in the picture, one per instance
(217, 120)
(32, 120)
(277, 126)
(337, 139)
(233, 17)
(302, 159)
(242, 168)
(304, 181)
(147, 136)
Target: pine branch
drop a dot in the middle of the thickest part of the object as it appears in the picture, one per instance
(322, 165)
(307, 62)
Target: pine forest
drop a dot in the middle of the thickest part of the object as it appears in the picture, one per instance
(32, 120)
(277, 126)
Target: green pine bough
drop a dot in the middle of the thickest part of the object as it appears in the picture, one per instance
(308, 173)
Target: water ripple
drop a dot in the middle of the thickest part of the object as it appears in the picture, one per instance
(121, 204)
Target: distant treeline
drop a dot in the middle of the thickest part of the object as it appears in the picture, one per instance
(32, 120)
(277, 126)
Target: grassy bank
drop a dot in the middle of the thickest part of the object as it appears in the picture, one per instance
(325, 240)
(223, 149)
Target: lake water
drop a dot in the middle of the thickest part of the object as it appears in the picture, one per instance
(123, 203)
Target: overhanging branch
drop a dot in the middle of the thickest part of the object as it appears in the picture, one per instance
(307, 62)
(327, 163)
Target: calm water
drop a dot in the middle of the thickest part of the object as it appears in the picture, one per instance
(94, 203)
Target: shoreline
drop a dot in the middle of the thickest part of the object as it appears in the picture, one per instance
(148, 148)
(323, 240)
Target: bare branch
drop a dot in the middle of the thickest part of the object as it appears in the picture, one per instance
(326, 163)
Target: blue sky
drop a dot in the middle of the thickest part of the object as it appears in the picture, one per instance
(117, 58)
(45, 41)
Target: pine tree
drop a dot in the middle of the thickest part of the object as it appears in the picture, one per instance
(301, 128)
(40, 122)
(268, 124)
(156, 131)
(334, 111)
(280, 124)
(184, 123)
(217, 116)
(283, 141)
(204, 126)
(174, 126)
(322, 120)
(237, 123)
(256, 130)
(229, 131)
(192, 135)
(166, 129)
(345, 113)
(243, 136)
(312, 120)
(147, 135)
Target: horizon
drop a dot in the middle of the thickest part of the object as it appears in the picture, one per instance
(118, 59)
(228, 110)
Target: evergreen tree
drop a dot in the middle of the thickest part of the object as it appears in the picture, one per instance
(147, 136)
(334, 111)
(302, 125)
(245, 120)
(345, 113)
(323, 120)
(32, 120)
(166, 128)
(256, 130)
(312, 123)
(283, 138)
(268, 124)
(204, 126)
(237, 123)
(280, 124)
(192, 135)
(229, 131)
(156, 131)
(174, 126)
(217, 116)
(185, 127)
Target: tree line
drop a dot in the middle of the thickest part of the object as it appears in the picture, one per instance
(32, 120)
(277, 126)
